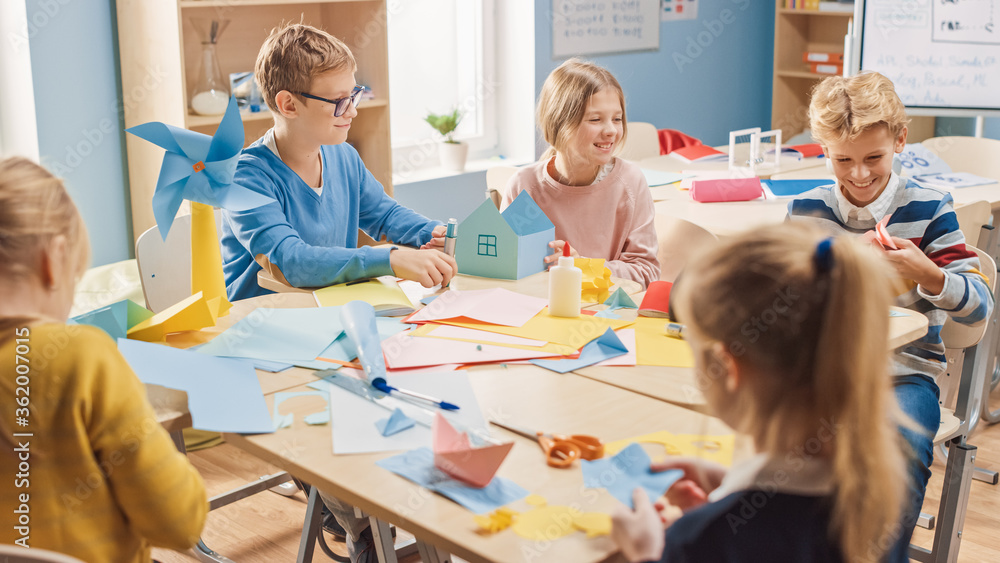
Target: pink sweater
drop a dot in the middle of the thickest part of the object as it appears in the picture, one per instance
(612, 219)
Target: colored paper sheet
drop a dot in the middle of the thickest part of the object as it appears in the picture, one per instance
(383, 293)
(282, 335)
(394, 423)
(629, 469)
(224, 395)
(206, 258)
(285, 420)
(495, 306)
(953, 180)
(620, 300)
(494, 338)
(546, 523)
(712, 448)
(596, 284)
(607, 314)
(793, 188)
(354, 418)
(472, 335)
(418, 466)
(273, 367)
(456, 456)
(660, 178)
(115, 319)
(572, 332)
(655, 348)
(193, 313)
(199, 168)
(627, 337)
(601, 348)
(404, 351)
(342, 349)
(656, 302)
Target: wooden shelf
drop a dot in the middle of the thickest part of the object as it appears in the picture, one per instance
(802, 74)
(237, 3)
(789, 12)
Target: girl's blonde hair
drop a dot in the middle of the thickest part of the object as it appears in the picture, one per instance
(564, 98)
(810, 327)
(841, 108)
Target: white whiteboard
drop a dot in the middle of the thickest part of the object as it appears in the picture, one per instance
(590, 27)
(940, 54)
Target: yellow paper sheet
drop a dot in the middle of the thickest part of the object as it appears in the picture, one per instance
(383, 293)
(206, 259)
(572, 332)
(655, 348)
(545, 523)
(593, 523)
(596, 279)
(428, 331)
(713, 448)
(193, 313)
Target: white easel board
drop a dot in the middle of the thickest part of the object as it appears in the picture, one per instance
(586, 27)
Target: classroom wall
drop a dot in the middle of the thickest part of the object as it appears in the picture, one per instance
(951, 126)
(74, 63)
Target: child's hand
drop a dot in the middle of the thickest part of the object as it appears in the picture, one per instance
(558, 246)
(437, 239)
(700, 478)
(638, 533)
(912, 264)
(429, 268)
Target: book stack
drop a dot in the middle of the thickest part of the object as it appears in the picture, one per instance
(802, 4)
(821, 62)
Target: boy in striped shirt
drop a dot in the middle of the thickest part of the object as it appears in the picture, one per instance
(861, 123)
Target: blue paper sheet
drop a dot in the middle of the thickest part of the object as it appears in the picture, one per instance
(285, 420)
(224, 394)
(418, 466)
(603, 347)
(660, 178)
(396, 423)
(279, 335)
(343, 349)
(629, 469)
(792, 188)
(607, 314)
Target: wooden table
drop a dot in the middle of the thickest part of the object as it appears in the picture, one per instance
(786, 163)
(521, 395)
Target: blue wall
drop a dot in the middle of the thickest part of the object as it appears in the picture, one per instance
(710, 76)
(951, 126)
(74, 65)
(443, 198)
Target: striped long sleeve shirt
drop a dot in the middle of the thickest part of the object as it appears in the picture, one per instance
(926, 217)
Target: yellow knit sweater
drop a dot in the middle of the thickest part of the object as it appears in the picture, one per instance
(97, 478)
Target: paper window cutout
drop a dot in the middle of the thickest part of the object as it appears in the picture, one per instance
(488, 245)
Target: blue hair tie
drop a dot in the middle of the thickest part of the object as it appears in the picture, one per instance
(823, 258)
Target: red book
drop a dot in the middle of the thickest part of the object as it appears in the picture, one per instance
(822, 57)
(827, 68)
(698, 153)
(805, 151)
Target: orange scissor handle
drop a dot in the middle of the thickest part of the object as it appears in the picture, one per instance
(591, 448)
(559, 453)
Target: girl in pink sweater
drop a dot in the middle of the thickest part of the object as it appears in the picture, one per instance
(599, 204)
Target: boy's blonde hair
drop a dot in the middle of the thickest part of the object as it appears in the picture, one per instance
(564, 98)
(810, 331)
(293, 55)
(34, 208)
(841, 108)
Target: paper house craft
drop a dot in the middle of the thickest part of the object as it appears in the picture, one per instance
(509, 245)
(455, 455)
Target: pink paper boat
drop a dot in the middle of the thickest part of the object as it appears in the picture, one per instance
(454, 455)
(879, 235)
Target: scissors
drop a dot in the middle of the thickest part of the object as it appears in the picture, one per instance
(561, 451)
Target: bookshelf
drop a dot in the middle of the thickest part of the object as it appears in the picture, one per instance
(159, 56)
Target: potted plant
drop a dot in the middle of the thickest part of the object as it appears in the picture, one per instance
(453, 153)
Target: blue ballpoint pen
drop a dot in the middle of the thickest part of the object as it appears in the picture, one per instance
(384, 387)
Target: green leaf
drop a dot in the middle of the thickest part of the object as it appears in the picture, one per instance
(445, 123)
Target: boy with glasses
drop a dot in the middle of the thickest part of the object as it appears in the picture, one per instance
(322, 190)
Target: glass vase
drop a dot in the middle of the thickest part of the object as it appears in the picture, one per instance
(210, 93)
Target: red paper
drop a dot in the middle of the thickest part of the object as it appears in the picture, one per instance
(656, 303)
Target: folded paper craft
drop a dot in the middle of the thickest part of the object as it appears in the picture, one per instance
(115, 319)
(596, 283)
(602, 348)
(620, 300)
(656, 302)
(454, 454)
(193, 313)
(728, 189)
(880, 236)
(396, 423)
(509, 245)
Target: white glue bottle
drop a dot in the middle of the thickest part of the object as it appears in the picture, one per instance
(565, 287)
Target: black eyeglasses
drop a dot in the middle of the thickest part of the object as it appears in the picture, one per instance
(340, 105)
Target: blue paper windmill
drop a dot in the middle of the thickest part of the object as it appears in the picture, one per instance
(198, 167)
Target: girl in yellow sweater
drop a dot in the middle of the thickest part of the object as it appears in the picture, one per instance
(85, 469)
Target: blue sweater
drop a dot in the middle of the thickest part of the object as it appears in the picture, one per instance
(313, 239)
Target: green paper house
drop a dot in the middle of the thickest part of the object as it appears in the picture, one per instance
(509, 245)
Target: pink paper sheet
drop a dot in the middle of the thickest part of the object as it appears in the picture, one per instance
(403, 351)
(495, 306)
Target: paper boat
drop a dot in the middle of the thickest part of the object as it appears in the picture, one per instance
(454, 455)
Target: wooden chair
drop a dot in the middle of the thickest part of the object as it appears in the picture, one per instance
(18, 554)
(679, 241)
(643, 142)
(165, 265)
(496, 182)
(977, 155)
(955, 428)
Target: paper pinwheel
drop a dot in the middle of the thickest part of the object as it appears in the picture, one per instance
(198, 167)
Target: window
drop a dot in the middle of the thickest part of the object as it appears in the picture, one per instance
(441, 56)
(488, 245)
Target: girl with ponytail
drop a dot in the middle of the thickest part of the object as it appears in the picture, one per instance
(789, 331)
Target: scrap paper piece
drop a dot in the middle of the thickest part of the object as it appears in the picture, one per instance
(621, 474)
(596, 279)
(282, 335)
(285, 420)
(495, 306)
(455, 455)
(418, 466)
(472, 335)
(342, 349)
(627, 337)
(655, 348)
(206, 258)
(546, 523)
(317, 418)
(894, 313)
(535, 500)
(394, 424)
(496, 521)
(593, 524)
(661, 178)
(607, 314)
(224, 394)
(620, 300)
(405, 351)
(573, 332)
(272, 367)
(192, 313)
(115, 319)
(601, 348)
(383, 293)
(712, 448)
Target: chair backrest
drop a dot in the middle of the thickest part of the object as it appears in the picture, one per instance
(955, 335)
(643, 142)
(496, 182)
(972, 217)
(165, 265)
(679, 241)
(18, 554)
(977, 155)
